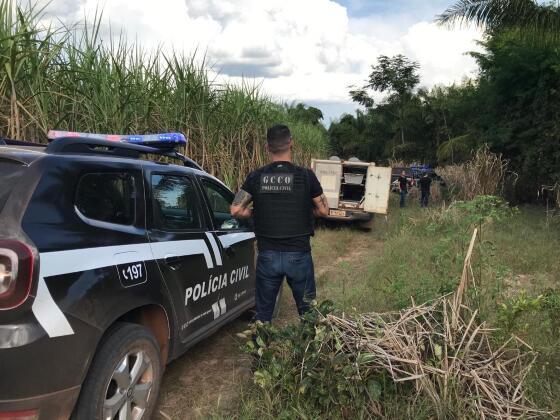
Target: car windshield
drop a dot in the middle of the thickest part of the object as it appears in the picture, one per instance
(10, 172)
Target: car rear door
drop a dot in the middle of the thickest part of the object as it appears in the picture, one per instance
(177, 222)
(235, 241)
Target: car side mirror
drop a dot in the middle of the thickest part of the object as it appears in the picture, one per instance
(230, 224)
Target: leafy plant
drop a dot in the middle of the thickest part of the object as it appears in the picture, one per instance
(290, 364)
(510, 312)
(484, 209)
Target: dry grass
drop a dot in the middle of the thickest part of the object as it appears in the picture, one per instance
(394, 163)
(483, 175)
(445, 352)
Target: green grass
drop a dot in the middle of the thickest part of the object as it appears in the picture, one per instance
(419, 255)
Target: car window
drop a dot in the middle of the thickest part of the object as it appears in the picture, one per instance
(107, 197)
(10, 172)
(174, 203)
(220, 200)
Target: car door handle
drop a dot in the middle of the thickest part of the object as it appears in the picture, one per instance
(230, 251)
(172, 260)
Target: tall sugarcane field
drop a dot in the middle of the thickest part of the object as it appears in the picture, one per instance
(69, 79)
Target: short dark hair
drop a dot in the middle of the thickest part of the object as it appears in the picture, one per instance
(278, 138)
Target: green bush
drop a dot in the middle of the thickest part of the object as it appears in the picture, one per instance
(301, 377)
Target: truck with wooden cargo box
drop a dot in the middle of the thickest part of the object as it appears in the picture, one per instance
(355, 190)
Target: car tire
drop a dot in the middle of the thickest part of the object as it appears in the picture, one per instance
(124, 377)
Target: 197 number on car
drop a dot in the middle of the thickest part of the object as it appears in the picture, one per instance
(132, 274)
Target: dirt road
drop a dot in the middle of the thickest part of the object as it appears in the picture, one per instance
(207, 380)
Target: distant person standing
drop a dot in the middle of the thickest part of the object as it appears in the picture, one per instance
(425, 184)
(403, 187)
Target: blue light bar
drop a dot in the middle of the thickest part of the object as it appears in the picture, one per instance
(154, 140)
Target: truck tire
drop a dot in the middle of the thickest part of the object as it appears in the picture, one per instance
(124, 377)
(366, 226)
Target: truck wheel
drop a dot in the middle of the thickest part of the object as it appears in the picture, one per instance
(124, 378)
(366, 226)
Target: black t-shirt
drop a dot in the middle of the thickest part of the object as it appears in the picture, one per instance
(297, 243)
(425, 183)
(403, 181)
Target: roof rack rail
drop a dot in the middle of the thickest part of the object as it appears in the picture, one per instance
(10, 142)
(80, 145)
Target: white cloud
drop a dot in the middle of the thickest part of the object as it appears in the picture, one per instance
(304, 50)
(442, 54)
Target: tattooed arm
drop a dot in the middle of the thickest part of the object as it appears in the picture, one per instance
(240, 206)
(321, 206)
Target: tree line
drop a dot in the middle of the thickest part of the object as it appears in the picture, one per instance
(513, 105)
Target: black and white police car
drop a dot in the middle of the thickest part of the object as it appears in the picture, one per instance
(111, 265)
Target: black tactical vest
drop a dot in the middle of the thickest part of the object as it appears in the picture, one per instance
(282, 202)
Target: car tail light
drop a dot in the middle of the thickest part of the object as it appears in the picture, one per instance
(16, 273)
(19, 415)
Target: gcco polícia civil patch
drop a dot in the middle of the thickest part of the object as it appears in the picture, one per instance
(277, 183)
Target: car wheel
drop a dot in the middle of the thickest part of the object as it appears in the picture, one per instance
(124, 378)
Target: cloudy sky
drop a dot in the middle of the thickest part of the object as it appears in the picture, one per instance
(300, 50)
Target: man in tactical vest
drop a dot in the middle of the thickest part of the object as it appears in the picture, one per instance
(285, 198)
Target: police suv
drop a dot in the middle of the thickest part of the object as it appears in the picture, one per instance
(111, 265)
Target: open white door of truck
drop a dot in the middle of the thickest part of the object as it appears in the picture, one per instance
(378, 186)
(329, 174)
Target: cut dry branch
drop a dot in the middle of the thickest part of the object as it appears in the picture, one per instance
(444, 349)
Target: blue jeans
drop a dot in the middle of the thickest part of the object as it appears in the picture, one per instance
(403, 197)
(425, 196)
(272, 267)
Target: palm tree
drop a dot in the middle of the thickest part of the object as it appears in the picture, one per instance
(527, 18)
